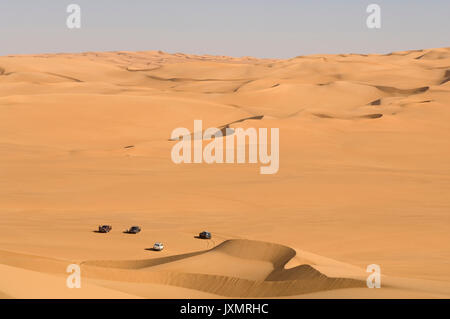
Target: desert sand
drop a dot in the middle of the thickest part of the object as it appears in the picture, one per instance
(364, 176)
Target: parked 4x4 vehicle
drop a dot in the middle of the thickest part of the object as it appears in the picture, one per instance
(158, 246)
(205, 235)
(104, 228)
(134, 230)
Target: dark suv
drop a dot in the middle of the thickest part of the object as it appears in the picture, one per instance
(205, 235)
(134, 230)
(104, 228)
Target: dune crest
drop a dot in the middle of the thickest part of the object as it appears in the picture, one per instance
(235, 258)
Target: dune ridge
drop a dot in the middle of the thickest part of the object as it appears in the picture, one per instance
(278, 281)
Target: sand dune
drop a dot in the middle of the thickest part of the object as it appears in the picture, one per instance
(235, 268)
(364, 175)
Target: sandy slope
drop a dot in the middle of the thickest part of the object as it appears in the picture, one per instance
(364, 176)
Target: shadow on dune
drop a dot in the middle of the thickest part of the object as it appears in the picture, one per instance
(395, 91)
(224, 129)
(152, 249)
(139, 264)
(365, 116)
(446, 77)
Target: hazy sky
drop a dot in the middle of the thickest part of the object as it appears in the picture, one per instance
(263, 28)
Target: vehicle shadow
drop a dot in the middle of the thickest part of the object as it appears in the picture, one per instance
(198, 237)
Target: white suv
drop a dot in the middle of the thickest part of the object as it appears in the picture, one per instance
(158, 246)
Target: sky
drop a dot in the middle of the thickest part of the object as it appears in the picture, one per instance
(260, 28)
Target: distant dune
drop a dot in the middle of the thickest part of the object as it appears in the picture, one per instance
(364, 176)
